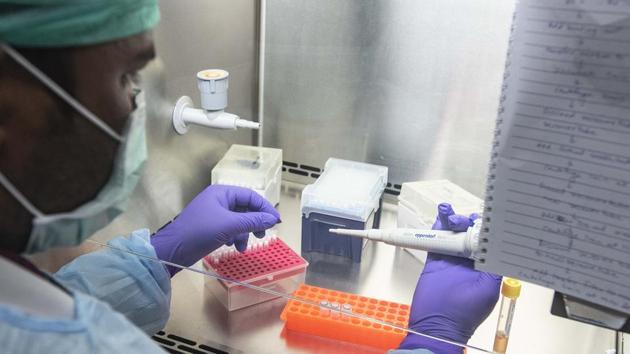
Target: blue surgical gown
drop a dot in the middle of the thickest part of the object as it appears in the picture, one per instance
(120, 299)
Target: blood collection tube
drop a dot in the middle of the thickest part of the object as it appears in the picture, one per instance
(510, 291)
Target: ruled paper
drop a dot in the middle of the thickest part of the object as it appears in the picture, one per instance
(560, 187)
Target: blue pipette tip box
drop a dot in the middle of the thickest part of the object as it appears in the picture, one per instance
(348, 195)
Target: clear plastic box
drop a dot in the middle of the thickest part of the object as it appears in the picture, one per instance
(349, 195)
(258, 168)
(268, 263)
(419, 201)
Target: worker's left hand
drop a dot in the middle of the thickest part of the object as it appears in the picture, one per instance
(219, 215)
(451, 297)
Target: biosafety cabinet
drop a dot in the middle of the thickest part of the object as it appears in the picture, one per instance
(410, 88)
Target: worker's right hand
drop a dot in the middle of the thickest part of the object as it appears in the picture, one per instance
(219, 215)
(451, 298)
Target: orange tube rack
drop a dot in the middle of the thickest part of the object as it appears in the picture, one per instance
(325, 322)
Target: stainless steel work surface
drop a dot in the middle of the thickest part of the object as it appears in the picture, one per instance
(385, 272)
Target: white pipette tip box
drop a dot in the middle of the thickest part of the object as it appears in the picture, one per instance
(346, 189)
(257, 168)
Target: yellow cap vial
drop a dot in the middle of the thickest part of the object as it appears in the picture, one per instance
(511, 288)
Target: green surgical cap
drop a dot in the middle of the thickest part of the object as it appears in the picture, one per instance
(69, 23)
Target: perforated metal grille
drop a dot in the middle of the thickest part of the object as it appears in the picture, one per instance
(175, 344)
(310, 172)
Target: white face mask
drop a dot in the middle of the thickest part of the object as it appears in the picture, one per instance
(72, 228)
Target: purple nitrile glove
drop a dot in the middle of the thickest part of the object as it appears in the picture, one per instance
(219, 215)
(451, 298)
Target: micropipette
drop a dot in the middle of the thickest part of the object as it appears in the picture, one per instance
(461, 244)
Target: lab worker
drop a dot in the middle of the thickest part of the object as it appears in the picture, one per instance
(72, 148)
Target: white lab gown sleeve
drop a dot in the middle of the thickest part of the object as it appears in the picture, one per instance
(136, 287)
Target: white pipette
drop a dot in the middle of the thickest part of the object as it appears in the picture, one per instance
(461, 244)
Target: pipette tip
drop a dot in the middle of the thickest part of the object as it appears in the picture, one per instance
(348, 232)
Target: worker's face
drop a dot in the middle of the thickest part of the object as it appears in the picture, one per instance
(54, 155)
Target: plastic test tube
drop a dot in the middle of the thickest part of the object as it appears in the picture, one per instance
(324, 308)
(347, 308)
(510, 291)
(335, 307)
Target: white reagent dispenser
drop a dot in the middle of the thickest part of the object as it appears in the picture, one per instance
(213, 87)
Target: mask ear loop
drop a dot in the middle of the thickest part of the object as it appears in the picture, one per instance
(60, 92)
(20, 197)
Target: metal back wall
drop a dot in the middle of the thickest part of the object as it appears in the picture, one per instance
(413, 85)
(192, 35)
